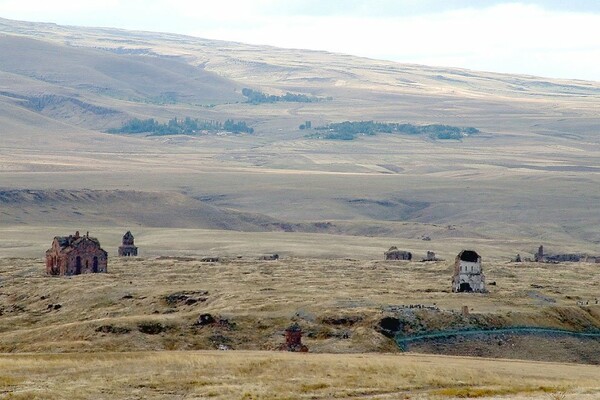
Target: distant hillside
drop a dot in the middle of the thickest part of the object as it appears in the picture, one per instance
(530, 175)
(85, 86)
(118, 207)
(71, 73)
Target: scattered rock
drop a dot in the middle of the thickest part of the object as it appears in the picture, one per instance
(210, 320)
(187, 298)
(345, 320)
(225, 323)
(205, 319)
(152, 328)
(118, 330)
(220, 340)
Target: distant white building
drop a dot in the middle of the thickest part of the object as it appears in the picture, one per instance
(468, 275)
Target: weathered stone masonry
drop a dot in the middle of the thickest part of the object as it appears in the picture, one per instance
(468, 275)
(74, 255)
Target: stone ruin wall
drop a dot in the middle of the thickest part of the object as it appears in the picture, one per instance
(88, 255)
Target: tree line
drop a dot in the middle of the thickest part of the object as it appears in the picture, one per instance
(186, 126)
(349, 130)
(257, 97)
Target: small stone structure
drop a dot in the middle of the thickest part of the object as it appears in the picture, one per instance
(293, 339)
(556, 258)
(394, 254)
(468, 275)
(128, 249)
(74, 255)
(539, 256)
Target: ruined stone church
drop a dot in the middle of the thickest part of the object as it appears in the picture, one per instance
(128, 248)
(74, 255)
(468, 275)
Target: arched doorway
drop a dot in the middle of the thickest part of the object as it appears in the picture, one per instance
(465, 287)
(78, 265)
(95, 265)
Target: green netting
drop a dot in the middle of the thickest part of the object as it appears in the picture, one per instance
(404, 341)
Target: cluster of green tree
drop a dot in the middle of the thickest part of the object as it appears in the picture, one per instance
(350, 130)
(256, 97)
(186, 126)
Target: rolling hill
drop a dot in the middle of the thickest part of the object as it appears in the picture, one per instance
(528, 175)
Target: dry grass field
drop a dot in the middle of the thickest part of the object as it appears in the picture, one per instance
(329, 208)
(154, 304)
(260, 375)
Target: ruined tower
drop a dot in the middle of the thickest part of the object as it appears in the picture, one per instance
(128, 249)
(468, 275)
(539, 256)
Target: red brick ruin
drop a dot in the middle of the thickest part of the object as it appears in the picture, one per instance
(74, 255)
(293, 339)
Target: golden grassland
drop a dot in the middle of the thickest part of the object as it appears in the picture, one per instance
(258, 299)
(528, 179)
(261, 298)
(276, 375)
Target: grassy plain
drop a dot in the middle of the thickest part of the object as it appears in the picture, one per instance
(338, 302)
(260, 375)
(330, 208)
